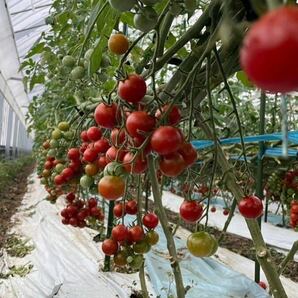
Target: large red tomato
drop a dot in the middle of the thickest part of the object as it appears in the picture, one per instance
(172, 165)
(111, 187)
(133, 89)
(138, 123)
(191, 211)
(173, 117)
(269, 52)
(166, 140)
(250, 207)
(106, 115)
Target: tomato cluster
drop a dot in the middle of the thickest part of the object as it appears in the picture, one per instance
(78, 213)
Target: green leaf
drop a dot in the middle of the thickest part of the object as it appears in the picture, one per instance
(127, 18)
(36, 79)
(37, 49)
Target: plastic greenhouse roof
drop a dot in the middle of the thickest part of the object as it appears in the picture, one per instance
(21, 23)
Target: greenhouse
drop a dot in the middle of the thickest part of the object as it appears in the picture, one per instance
(149, 149)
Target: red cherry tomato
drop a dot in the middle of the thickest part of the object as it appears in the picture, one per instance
(150, 220)
(172, 165)
(109, 247)
(92, 202)
(250, 207)
(188, 153)
(174, 115)
(84, 136)
(138, 166)
(133, 89)
(101, 146)
(102, 162)
(59, 179)
(131, 207)
(120, 233)
(119, 210)
(136, 233)
(269, 52)
(111, 187)
(105, 115)
(90, 155)
(67, 173)
(114, 154)
(118, 137)
(70, 197)
(93, 133)
(262, 285)
(73, 154)
(191, 211)
(139, 123)
(166, 140)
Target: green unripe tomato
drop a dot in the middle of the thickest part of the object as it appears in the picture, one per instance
(141, 247)
(137, 262)
(51, 153)
(200, 244)
(43, 181)
(68, 135)
(105, 61)
(59, 168)
(56, 134)
(146, 19)
(122, 5)
(54, 143)
(152, 237)
(64, 126)
(114, 169)
(215, 246)
(68, 61)
(77, 73)
(86, 181)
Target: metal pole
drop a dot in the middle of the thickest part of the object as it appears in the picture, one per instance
(8, 135)
(15, 133)
(1, 119)
(260, 172)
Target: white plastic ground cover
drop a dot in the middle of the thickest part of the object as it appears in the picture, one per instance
(275, 236)
(66, 263)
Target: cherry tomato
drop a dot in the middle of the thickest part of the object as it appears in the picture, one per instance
(269, 52)
(59, 179)
(118, 44)
(132, 89)
(119, 210)
(109, 247)
(136, 166)
(141, 247)
(173, 117)
(152, 237)
(172, 165)
(73, 154)
(70, 197)
(102, 162)
(90, 155)
(200, 244)
(188, 153)
(131, 207)
(226, 212)
(166, 140)
(150, 220)
(191, 211)
(111, 187)
(48, 165)
(101, 146)
(114, 154)
(139, 123)
(73, 221)
(93, 133)
(213, 209)
(122, 5)
(251, 207)
(262, 285)
(91, 169)
(84, 136)
(106, 115)
(118, 137)
(67, 173)
(120, 259)
(120, 233)
(136, 233)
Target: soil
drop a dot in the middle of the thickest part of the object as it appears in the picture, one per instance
(10, 199)
(239, 245)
